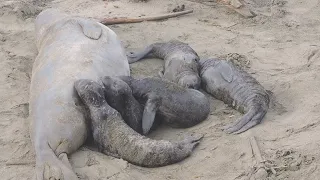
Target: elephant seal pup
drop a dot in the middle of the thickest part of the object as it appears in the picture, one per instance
(114, 137)
(237, 88)
(119, 96)
(181, 62)
(69, 48)
(175, 105)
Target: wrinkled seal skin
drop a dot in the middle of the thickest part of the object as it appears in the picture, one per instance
(237, 88)
(181, 62)
(176, 106)
(114, 137)
(69, 48)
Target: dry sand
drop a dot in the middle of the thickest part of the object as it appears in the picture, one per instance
(282, 44)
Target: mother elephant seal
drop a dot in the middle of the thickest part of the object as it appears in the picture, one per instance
(69, 48)
(114, 137)
(181, 62)
(237, 88)
(176, 106)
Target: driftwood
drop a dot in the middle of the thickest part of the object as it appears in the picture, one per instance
(20, 162)
(110, 21)
(260, 172)
(256, 150)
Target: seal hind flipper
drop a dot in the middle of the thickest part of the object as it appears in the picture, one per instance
(50, 166)
(90, 28)
(136, 56)
(150, 111)
(225, 71)
(253, 117)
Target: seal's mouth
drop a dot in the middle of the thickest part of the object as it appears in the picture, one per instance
(194, 86)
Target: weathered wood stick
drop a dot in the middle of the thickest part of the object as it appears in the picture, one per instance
(110, 21)
(15, 163)
(255, 149)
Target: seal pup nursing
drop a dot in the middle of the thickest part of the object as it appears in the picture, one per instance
(176, 106)
(114, 137)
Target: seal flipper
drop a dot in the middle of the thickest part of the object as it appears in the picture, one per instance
(225, 71)
(149, 112)
(90, 28)
(253, 117)
(136, 56)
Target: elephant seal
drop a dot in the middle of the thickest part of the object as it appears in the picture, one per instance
(114, 137)
(119, 96)
(237, 88)
(180, 62)
(175, 105)
(69, 48)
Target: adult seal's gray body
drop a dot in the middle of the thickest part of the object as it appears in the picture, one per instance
(237, 88)
(173, 104)
(181, 62)
(69, 48)
(114, 137)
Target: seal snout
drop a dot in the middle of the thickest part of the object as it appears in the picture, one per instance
(115, 85)
(190, 81)
(90, 92)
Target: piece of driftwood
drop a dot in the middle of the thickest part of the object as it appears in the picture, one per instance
(260, 172)
(125, 20)
(19, 162)
(255, 149)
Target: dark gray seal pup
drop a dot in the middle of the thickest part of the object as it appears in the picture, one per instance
(181, 62)
(69, 48)
(237, 88)
(119, 96)
(114, 137)
(173, 104)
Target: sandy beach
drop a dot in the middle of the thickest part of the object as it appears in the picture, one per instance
(280, 46)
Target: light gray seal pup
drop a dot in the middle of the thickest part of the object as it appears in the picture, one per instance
(235, 87)
(69, 48)
(114, 137)
(176, 106)
(180, 62)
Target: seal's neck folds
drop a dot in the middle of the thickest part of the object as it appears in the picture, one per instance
(206, 63)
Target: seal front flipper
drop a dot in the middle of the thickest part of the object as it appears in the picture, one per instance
(225, 71)
(90, 28)
(149, 112)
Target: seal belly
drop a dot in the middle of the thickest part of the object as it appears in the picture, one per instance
(65, 54)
